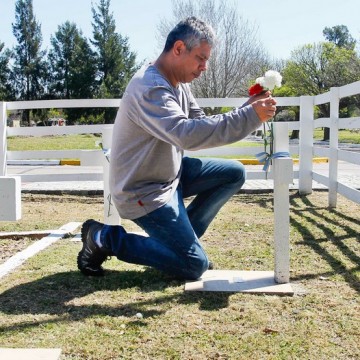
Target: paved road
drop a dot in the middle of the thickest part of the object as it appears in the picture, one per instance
(349, 174)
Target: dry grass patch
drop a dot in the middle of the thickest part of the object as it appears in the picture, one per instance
(138, 313)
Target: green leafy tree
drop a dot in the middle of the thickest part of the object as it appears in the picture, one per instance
(314, 68)
(72, 64)
(5, 87)
(29, 69)
(340, 36)
(116, 63)
(72, 68)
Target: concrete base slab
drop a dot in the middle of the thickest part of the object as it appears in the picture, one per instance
(239, 281)
(29, 354)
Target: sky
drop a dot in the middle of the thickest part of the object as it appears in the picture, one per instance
(283, 25)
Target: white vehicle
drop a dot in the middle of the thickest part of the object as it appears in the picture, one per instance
(55, 122)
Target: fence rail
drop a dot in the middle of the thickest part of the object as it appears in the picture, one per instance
(306, 148)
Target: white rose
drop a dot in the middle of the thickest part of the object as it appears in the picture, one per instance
(271, 79)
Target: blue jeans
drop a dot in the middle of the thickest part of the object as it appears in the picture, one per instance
(173, 244)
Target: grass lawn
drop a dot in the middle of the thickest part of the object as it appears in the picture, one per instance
(345, 136)
(68, 142)
(89, 141)
(61, 142)
(135, 312)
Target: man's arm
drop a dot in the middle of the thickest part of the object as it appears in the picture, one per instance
(161, 115)
(263, 104)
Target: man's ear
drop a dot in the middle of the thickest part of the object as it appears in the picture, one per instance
(179, 47)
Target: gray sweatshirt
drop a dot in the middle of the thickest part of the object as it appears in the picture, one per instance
(155, 123)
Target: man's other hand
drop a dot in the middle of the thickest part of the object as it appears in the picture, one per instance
(265, 108)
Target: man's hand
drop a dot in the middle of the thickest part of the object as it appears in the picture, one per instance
(265, 108)
(263, 95)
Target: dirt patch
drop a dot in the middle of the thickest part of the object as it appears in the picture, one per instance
(48, 212)
(9, 247)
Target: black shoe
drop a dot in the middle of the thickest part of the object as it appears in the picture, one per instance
(91, 255)
(211, 265)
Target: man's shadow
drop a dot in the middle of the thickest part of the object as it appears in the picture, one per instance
(53, 295)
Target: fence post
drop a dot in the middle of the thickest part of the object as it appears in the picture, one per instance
(283, 176)
(10, 186)
(306, 144)
(3, 145)
(10, 196)
(334, 144)
(111, 216)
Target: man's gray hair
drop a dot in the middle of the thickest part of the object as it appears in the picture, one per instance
(192, 31)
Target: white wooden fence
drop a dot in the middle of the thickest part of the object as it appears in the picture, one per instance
(94, 157)
(282, 170)
(306, 149)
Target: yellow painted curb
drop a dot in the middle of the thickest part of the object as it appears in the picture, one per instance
(295, 161)
(70, 162)
(321, 160)
(244, 161)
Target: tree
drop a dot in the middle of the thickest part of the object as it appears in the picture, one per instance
(5, 87)
(29, 70)
(29, 66)
(72, 67)
(340, 36)
(315, 68)
(237, 57)
(72, 64)
(116, 63)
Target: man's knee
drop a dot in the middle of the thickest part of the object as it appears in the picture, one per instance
(197, 267)
(237, 172)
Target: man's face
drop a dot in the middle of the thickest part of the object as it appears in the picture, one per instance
(193, 63)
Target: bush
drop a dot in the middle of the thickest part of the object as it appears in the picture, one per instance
(92, 119)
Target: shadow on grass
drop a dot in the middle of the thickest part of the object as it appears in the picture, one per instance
(328, 232)
(320, 227)
(53, 295)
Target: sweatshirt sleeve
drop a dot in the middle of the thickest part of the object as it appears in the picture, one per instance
(160, 114)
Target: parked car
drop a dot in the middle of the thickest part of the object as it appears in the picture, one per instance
(52, 122)
(56, 122)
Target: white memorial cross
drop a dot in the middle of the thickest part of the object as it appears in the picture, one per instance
(269, 282)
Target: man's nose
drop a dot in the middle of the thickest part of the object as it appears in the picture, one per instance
(203, 66)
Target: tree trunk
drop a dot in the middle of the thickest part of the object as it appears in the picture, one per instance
(294, 134)
(326, 134)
